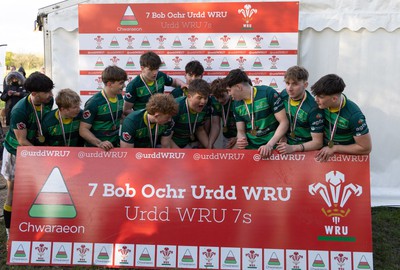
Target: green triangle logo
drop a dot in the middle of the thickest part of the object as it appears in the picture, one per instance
(129, 18)
(53, 200)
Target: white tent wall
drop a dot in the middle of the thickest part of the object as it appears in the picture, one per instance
(358, 40)
(367, 63)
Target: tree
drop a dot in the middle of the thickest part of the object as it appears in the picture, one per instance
(28, 61)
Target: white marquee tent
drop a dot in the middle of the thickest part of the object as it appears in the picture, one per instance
(358, 40)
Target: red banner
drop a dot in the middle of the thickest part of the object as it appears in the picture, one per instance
(192, 17)
(190, 209)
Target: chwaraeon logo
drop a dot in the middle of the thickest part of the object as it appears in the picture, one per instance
(335, 194)
(54, 199)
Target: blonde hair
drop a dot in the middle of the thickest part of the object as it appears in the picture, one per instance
(67, 98)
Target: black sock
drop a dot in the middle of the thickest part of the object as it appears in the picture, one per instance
(7, 216)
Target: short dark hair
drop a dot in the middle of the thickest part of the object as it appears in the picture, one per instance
(194, 68)
(38, 82)
(113, 74)
(151, 60)
(199, 86)
(296, 73)
(330, 84)
(236, 76)
(218, 88)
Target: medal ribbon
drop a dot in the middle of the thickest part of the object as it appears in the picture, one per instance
(63, 130)
(252, 109)
(109, 107)
(36, 115)
(153, 145)
(147, 87)
(293, 125)
(333, 130)
(225, 117)
(192, 131)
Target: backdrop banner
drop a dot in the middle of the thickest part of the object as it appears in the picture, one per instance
(200, 209)
(259, 37)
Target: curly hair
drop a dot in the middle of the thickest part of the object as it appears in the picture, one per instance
(162, 103)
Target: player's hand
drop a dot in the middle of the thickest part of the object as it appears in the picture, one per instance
(105, 145)
(241, 143)
(324, 154)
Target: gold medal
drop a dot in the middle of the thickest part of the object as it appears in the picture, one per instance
(185, 91)
(225, 130)
(192, 137)
(292, 135)
(41, 139)
(330, 144)
(253, 132)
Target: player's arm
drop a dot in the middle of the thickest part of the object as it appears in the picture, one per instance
(21, 134)
(178, 82)
(87, 135)
(201, 135)
(241, 141)
(281, 129)
(166, 141)
(128, 107)
(215, 130)
(123, 144)
(316, 142)
(172, 143)
(362, 146)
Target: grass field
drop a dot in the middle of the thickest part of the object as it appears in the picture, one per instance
(385, 235)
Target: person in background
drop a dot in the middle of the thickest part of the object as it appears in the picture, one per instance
(346, 129)
(306, 120)
(193, 70)
(13, 92)
(25, 129)
(22, 70)
(150, 127)
(260, 115)
(12, 68)
(147, 83)
(102, 114)
(61, 125)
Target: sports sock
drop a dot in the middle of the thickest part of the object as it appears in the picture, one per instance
(7, 217)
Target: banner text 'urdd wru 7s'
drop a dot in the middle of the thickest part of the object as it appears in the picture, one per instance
(205, 209)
